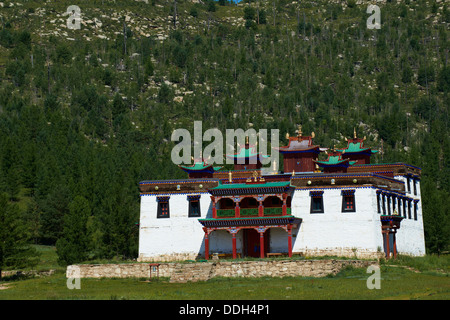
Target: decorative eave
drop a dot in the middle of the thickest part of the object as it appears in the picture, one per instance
(391, 221)
(355, 145)
(391, 217)
(398, 168)
(300, 144)
(199, 167)
(252, 188)
(177, 186)
(246, 152)
(247, 222)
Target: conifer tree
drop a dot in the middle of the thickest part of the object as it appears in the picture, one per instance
(15, 249)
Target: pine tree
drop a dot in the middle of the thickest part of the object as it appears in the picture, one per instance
(15, 250)
(74, 244)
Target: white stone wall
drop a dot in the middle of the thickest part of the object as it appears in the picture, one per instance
(411, 236)
(352, 234)
(335, 232)
(176, 238)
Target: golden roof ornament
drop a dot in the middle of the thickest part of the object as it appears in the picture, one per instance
(299, 131)
(354, 133)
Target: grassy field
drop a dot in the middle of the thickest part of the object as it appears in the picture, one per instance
(405, 279)
(396, 284)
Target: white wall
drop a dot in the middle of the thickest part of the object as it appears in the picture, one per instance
(178, 234)
(411, 236)
(332, 232)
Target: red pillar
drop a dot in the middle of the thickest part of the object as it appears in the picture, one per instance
(388, 250)
(260, 209)
(214, 210)
(234, 245)
(290, 240)
(206, 244)
(261, 244)
(237, 211)
(283, 208)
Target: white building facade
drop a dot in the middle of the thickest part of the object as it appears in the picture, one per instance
(350, 208)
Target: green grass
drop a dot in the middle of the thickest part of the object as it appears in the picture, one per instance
(427, 279)
(396, 283)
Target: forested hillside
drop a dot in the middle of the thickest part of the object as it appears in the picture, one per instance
(85, 114)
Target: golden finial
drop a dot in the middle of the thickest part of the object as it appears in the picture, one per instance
(230, 178)
(287, 136)
(354, 133)
(313, 135)
(299, 131)
(293, 172)
(246, 140)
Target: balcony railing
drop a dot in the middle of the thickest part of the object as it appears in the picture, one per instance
(252, 212)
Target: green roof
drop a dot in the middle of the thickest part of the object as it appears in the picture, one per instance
(245, 153)
(354, 147)
(252, 185)
(334, 160)
(198, 166)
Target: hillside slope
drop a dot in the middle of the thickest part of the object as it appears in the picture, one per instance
(85, 114)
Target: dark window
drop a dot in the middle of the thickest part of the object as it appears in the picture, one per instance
(408, 182)
(415, 186)
(415, 210)
(378, 202)
(194, 206)
(384, 204)
(348, 201)
(163, 207)
(409, 209)
(316, 201)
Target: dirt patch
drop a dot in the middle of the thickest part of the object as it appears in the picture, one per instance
(5, 286)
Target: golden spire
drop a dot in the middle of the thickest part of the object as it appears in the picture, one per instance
(299, 131)
(354, 133)
(230, 178)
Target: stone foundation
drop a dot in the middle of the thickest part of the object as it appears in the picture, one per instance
(202, 271)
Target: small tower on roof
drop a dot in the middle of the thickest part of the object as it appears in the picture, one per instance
(356, 151)
(335, 162)
(199, 169)
(300, 152)
(248, 157)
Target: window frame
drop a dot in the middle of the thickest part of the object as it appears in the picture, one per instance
(314, 195)
(163, 201)
(348, 194)
(191, 200)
